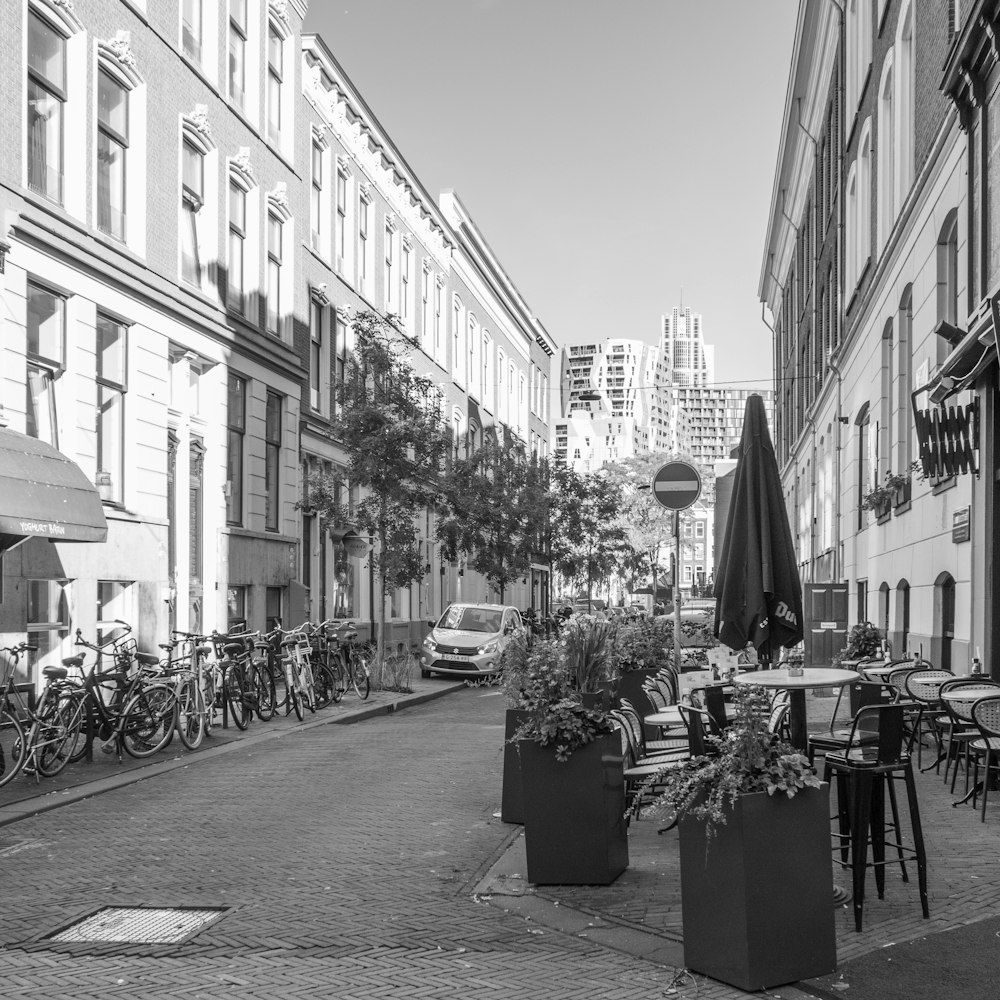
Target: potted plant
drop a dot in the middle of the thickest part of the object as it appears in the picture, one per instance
(589, 656)
(516, 665)
(879, 499)
(641, 649)
(756, 869)
(863, 640)
(572, 781)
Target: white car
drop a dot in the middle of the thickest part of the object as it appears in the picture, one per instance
(467, 640)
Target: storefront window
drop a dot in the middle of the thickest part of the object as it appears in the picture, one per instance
(344, 604)
(48, 619)
(236, 603)
(114, 605)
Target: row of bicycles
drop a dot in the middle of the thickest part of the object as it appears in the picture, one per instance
(135, 703)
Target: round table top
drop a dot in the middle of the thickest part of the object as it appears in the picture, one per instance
(880, 669)
(812, 677)
(970, 693)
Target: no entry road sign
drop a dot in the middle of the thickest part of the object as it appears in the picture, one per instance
(676, 485)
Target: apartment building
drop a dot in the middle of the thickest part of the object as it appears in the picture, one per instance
(195, 202)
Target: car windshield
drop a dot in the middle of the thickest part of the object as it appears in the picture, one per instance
(471, 619)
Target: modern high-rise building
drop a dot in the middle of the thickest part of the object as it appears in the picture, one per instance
(685, 359)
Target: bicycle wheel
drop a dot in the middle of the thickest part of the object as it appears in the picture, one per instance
(325, 685)
(57, 731)
(147, 724)
(308, 685)
(336, 666)
(263, 684)
(12, 747)
(189, 715)
(291, 685)
(239, 697)
(87, 728)
(359, 674)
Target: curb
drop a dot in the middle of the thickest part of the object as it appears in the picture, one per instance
(45, 801)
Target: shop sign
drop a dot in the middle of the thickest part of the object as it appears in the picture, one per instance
(948, 437)
(960, 525)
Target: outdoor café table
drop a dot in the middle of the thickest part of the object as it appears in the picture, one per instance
(970, 695)
(811, 678)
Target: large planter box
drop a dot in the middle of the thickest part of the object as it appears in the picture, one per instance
(757, 898)
(574, 813)
(512, 801)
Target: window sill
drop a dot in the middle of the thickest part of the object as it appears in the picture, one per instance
(943, 485)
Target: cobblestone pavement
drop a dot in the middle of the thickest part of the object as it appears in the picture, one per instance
(344, 856)
(644, 903)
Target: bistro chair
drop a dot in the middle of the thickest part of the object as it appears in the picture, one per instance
(640, 772)
(648, 747)
(920, 686)
(861, 771)
(960, 730)
(861, 694)
(986, 716)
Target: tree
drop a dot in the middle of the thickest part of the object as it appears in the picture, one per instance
(585, 535)
(389, 421)
(491, 511)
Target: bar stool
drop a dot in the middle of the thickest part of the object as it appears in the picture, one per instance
(861, 770)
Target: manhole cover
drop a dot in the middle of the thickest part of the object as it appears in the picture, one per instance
(138, 925)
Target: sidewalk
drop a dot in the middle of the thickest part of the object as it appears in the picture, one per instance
(640, 913)
(25, 796)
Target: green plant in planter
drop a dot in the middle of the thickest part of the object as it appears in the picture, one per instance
(544, 682)
(588, 652)
(643, 645)
(864, 639)
(746, 758)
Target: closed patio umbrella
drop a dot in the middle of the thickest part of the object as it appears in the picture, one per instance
(758, 591)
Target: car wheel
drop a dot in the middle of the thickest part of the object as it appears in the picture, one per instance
(424, 672)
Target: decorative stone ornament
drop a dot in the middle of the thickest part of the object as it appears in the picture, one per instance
(242, 161)
(279, 8)
(280, 195)
(200, 120)
(121, 46)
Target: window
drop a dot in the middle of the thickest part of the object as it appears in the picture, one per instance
(114, 604)
(905, 102)
(947, 279)
(192, 29)
(456, 333)
(192, 202)
(272, 462)
(275, 236)
(237, 248)
(316, 196)
(425, 309)
(315, 354)
(46, 329)
(699, 529)
(404, 279)
(236, 427)
(388, 273)
(272, 607)
(438, 345)
(238, 52)
(888, 399)
(363, 211)
(46, 97)
(111, 386)
(886, 155)
(112, 144)
(275, 78)
(487, 371)
(48, 618)
(339, 358)
(851, 215)
(236, 608)
(864, 195)
(867, 452)
(341, 220)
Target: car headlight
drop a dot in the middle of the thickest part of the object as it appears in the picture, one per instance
(430, 645)
(489, 647)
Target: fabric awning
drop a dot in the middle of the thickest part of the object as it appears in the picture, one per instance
(963, 366)
(43, 494)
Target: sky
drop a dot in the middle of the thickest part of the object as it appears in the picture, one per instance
(617, 155)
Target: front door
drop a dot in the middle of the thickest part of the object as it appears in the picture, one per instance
(825, 606)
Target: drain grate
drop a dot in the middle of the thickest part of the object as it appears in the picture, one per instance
(138, 925)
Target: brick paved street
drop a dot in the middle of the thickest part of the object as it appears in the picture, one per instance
(345, 854)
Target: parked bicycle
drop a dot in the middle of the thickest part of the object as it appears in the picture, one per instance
(296, 662)
(351, 664)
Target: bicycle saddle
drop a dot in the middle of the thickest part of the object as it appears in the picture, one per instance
(233, 648)
(147, 659)
(58, 673)
(203, 650)
(290, 641)
(70, 661)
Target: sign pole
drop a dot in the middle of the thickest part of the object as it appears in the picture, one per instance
(677, 589)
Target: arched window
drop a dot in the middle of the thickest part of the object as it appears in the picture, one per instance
(199, 202)
(280, 244)
(947, 280)
(905, 100)
(886, 130)
(904, 380)
(888, 374)
(864, 197)
(902, 621)
(883, 609)
(944, 621)
(851, 218)
(242, 261)
(865, 450)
